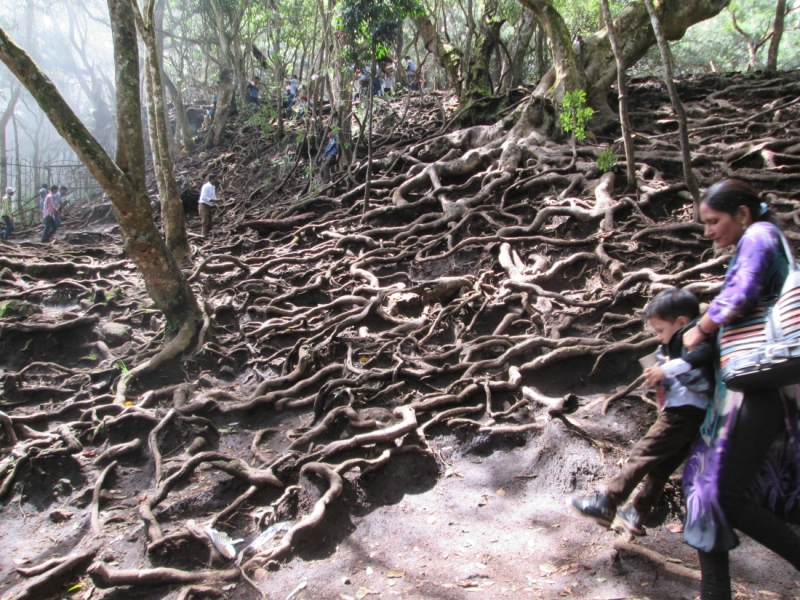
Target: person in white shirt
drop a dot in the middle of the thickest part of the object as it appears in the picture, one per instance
(208, 197)
(411, 74)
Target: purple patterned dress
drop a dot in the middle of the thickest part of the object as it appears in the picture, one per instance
(755, 276)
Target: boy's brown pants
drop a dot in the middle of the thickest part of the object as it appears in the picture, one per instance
(656, 456)
(205, 217)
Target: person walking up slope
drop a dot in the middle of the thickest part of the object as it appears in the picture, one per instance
(208, 198)
(49, 214)
(685, 384)
(5, 213)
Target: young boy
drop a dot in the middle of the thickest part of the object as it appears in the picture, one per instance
(685, 383)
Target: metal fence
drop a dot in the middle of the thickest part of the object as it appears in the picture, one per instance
(27, 177)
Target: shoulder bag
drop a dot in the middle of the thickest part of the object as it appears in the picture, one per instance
(762, 351)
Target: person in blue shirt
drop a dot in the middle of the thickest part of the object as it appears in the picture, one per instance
(329, 156)
(411, 74)
(252, 91)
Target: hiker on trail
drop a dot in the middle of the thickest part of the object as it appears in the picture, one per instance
(208, 198)
(292, 90)
(49, 214)
(63, 192)
(685, 384)
(5, 213)
(43, 191)
(388, 80)
(377, 82)
(329, 156)
(411, 74)
(732, 480)
(252, 91)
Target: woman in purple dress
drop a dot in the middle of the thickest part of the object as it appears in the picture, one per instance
(737, 476)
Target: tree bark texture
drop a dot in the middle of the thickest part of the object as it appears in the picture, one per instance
(777, 34)
(163, 278)
(479, 80)
(669, 80)
(171, 205)
(623, 95)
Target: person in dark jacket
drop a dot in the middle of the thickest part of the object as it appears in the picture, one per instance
(252, 92)
(329, 156)
(685, 384)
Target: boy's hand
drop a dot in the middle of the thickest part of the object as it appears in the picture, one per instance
(654, 374)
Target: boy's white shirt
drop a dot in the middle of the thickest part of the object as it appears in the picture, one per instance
(676, 366)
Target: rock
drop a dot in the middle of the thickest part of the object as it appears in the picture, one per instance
(18, 308)
(114, 334)
(60, 515)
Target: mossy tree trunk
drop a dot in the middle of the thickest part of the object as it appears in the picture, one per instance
(171, 205)
(568, 74)
(122, 180)
(479, 81)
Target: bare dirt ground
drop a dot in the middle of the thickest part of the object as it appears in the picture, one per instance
(415, 393)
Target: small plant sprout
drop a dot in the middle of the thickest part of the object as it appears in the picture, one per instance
(606, 160)
(574, 116)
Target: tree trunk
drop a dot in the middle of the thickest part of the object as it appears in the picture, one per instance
(777, 34)
(669, 80)
(449, 56)
(599, 70)
(224, 101)
(124, 182)
(521, 43)
(171, 204)
(479, 79)
(371, 84)
(182, 122)
(4, 119)
(569, 75)
(623, 96)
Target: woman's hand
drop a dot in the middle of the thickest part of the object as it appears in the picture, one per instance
(693, 337)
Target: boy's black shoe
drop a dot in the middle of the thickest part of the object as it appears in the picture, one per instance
(596, 507)
(631, 519)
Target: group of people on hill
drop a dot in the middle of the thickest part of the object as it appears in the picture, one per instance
(384, 81)
(734, 478)
(51, 205)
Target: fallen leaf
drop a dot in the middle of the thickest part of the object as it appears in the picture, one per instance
(677, 561)
(369, 571)
(500, 492)
(346, 597)
(601, 579)
(469, 584)
(364, 592)
(395, 574)
(675, 528)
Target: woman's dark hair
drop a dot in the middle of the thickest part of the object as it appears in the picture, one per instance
(729, 194)
(671, 304)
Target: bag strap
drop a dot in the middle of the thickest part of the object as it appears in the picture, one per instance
(788, 250)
